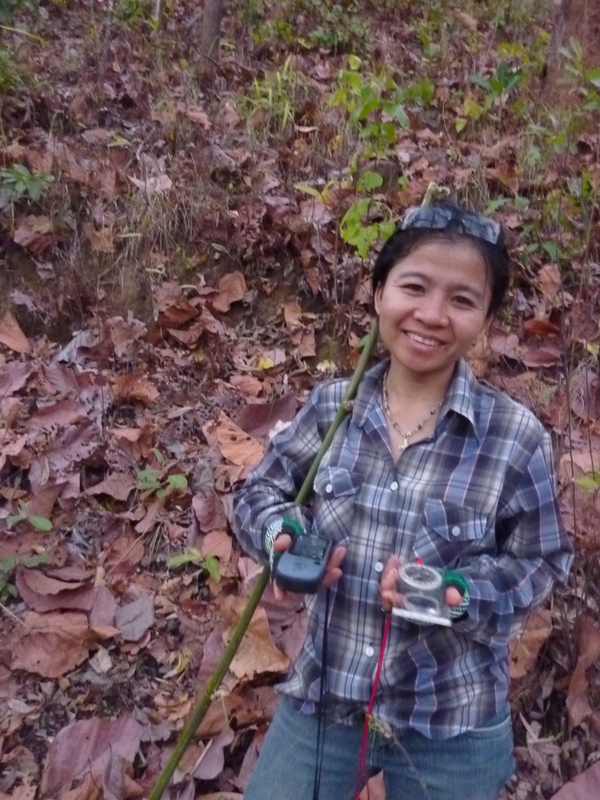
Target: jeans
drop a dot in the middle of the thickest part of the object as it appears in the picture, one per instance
(472, 766)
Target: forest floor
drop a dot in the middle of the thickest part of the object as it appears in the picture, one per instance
(183, 255)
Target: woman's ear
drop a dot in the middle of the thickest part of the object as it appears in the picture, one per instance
(377, 299)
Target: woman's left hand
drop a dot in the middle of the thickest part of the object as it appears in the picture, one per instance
(391, 598)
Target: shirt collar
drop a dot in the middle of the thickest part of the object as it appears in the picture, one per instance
(460, 397)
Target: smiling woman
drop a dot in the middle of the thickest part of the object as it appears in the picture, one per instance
(429, 467)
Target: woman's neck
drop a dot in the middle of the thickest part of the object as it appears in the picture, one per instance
(415, 389)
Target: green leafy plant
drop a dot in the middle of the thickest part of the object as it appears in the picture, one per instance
(131, 12)
(341, 29)
(496, 86)
(8, 8)
(10, 78)
(39, 523)
(274, 96)
(8, 590)
(374, 105)
(194, 556)
(584, 82)
(273, 30)
(151, 480)
(18, 181)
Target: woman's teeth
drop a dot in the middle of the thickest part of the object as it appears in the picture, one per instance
(422, 340)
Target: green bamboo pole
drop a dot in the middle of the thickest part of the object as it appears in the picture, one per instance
(187, 734)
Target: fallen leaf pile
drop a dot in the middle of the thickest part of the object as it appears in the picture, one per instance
(174, 282)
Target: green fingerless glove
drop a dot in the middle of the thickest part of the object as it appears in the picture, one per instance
(456, 580)
(276, 528)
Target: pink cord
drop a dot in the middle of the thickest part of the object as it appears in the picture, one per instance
(362, 764)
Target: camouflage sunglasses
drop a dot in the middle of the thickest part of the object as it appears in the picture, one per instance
(444, 216)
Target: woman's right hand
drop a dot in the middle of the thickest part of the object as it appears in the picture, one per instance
(332, 574)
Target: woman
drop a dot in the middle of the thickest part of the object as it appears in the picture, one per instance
(429, 465)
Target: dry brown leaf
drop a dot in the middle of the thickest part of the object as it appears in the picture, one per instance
(58, 415)
(12, 336)
(137, 388)
(541, 327)
(247, 384)
(55, 379)
(35, 233)
(232, 288)
(256, 654)
(14, 375)
(209, 511)
(235, 445)
(585, 786)
(78, 599)
(545, 356)
(196, 114)
(124, 334)
(88, 746)
(307, 346)
(190, 336)
(38, 582)
(259, 419)
(209, 762)
(101, 240)
(118, 485)
(52, 644)
(219, 544)
(588, 652)
(89, 789)
(134, 619)
(584, 384)
(292, 313)
(150, 518)
(549, 280)
(525, 648)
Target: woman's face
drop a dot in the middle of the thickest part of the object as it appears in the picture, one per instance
(433, 306)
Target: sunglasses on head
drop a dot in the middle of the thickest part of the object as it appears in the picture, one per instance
(446, 217)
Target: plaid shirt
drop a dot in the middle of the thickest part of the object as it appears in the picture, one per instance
(479, 497)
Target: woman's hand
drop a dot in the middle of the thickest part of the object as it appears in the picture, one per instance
(332, 573)
(391, 598)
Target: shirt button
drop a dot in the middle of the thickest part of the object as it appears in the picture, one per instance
(329, 488)
(378, 566)
(455, 531)
(394, 486)
(369, 651)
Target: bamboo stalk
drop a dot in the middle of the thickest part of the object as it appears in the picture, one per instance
(214, 682)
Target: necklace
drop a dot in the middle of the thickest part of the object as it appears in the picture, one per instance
(405, 436)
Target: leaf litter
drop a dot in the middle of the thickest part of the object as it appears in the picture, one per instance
(94, 422)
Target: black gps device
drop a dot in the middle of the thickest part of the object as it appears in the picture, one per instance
(302, 566)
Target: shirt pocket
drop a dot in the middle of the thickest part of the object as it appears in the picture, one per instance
(450, 531)
(336, 491)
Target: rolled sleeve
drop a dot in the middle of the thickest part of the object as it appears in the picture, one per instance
(271, 488)
(535, 554)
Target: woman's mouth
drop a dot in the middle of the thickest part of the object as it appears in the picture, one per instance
(423, 339)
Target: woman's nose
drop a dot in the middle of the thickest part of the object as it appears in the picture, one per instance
(433, 310)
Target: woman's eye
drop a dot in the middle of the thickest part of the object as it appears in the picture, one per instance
(413, 287)
(460, 300)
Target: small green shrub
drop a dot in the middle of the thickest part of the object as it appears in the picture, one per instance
(18, 182)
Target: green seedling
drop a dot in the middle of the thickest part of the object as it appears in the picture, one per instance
(150, 480)
(18, 181)
(8, 590)
(37, 522)
(194, 556)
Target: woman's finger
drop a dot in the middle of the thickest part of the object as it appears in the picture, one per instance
(388, 585)
(453, 596)
(334, 571)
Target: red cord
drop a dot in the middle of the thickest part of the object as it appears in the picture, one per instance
(362, 764)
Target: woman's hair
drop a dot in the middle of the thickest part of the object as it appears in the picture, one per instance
(406, 240)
